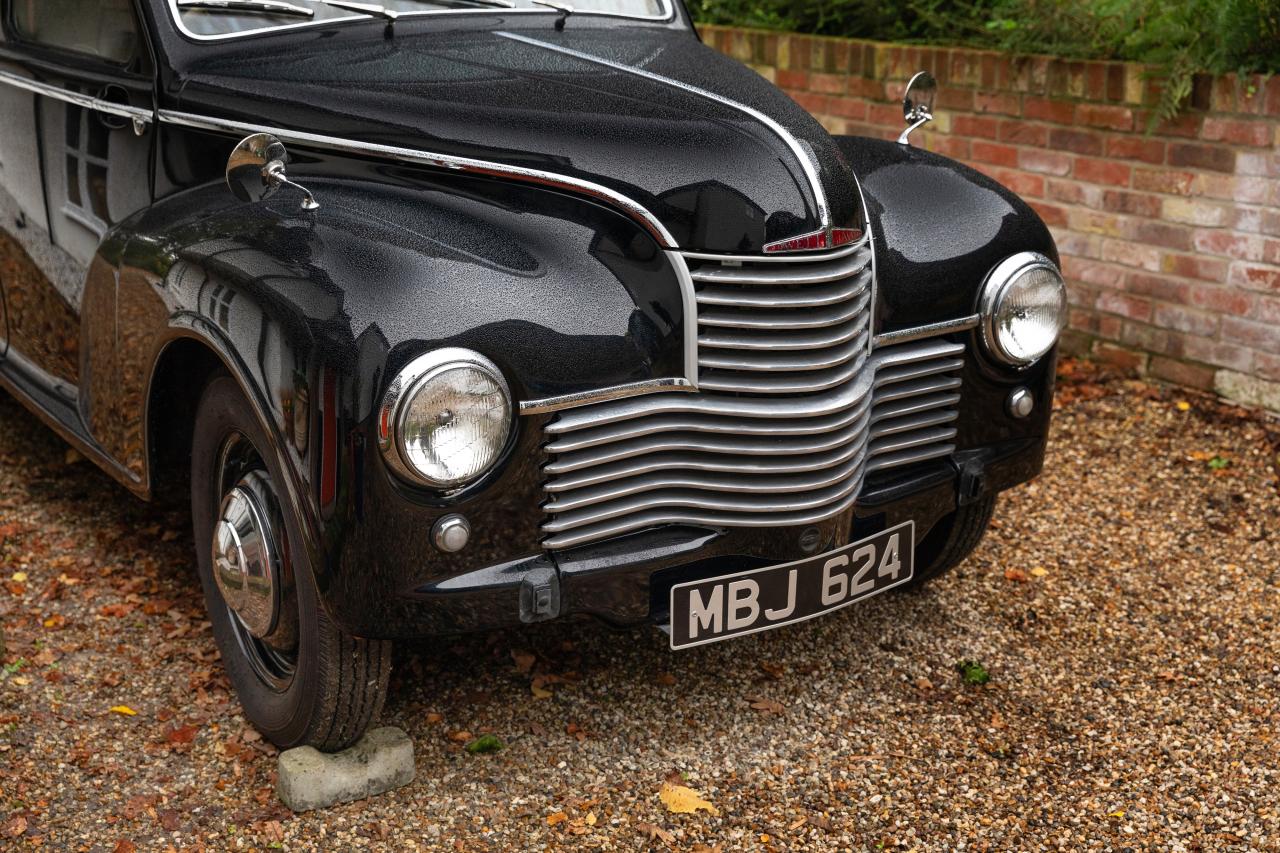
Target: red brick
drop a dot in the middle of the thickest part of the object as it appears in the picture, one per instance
(1184, 124)
(1187, 320)
(1048, 162)
(1076, 141)
(887, 115)
(862, 87)
(1157, 287)
(1222, 300)
(956, 100)
(814, 103)
(1072, 192)
(1051, 214)
(796, 80)
(1238, 131)
(1251, 190)
(951, 146)
(1266, 309)
(1098, 115)
(1166, 234)
(1227, 355)
(1151, 338)
(1256, 277)
(1267, 365)
(1161, 181)
(1263, 336)
(1019, 132)
(1181, 372)
(997, 102)
(1194, 266)
(1109, 326)
(1137, 204)
(1214, 158)
(1125, 305)
(1022, 183)
(1240, 246)
(1259, 163)
(1044, 109)
(831, 84)
(1135, 148)
(1131, 254)
(1106, 172)
(854, 108)
(983, 126)
(994, 153)
(1092, 272)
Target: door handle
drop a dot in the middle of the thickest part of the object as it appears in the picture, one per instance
(113, 94)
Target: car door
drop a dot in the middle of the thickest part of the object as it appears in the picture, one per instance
(76, 80)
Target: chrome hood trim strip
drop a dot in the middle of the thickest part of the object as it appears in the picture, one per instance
(415, 156)
(798, 150)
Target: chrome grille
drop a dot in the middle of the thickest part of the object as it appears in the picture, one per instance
(793, 409)
(795, 327)
(913, 409)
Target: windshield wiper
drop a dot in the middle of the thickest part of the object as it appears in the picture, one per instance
(498, 4)
(564, 9)
(266, 7)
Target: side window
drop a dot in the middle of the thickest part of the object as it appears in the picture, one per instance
(104, 28)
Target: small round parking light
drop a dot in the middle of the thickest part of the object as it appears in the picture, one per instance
(1024, 308)
(445, 418)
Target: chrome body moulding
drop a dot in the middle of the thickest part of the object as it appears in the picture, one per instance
(915, 333)
(137, 114)
(425, 158)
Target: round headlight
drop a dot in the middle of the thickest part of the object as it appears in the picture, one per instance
(445, 418)
(1023, 307)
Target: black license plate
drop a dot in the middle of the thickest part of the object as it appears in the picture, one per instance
(727, 606)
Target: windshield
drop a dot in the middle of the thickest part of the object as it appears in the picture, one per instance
(244, 17)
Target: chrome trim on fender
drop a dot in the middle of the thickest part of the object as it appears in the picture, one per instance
(138, 114)
(806, 164)
(425, 158)
(915, 333)
(600, 395)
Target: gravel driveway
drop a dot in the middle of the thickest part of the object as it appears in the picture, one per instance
(1125, 606)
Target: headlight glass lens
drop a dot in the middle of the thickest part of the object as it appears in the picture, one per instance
(1028, 314)
(454, 423)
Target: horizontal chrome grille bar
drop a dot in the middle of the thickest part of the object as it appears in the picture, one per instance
(817, 274)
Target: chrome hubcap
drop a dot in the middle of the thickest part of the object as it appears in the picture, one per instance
(251, 564)
(245, 557)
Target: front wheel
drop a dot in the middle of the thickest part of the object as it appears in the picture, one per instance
(300, 678)
(952, 539)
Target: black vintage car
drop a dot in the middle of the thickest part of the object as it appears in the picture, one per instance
(458, 314)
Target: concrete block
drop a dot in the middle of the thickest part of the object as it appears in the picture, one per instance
(378, 762)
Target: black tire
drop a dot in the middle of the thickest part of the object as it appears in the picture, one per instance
(329, 686)
(952, 539)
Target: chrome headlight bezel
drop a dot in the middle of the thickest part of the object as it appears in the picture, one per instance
(404, 388)
(997, 286)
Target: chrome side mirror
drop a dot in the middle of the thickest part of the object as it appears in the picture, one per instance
(255, 170)
(917, 103)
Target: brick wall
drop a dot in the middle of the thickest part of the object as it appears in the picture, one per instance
(1170, 240)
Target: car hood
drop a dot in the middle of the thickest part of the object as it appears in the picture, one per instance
(722, 158)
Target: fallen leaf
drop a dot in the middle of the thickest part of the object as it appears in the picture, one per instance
(186, 734)
(19, 577)
(461, 736)
(558, 817)
(666, 679)
(652, 831)
(1183, 406)
(1015, 575)
(71, 457)
(16, 827)
(820, 822)
(524, 661)
(170, 819)
(760, 703)
(538, 688)
(1039, 572)
(123, 709)
(55, 622)
(773, 670)
(682, 800)
(434, 718)
(21, 680)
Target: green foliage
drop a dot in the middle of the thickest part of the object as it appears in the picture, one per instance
(1179, 37)
(972, 672)
(485, 744)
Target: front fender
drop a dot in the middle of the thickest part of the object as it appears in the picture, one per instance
(940, 227)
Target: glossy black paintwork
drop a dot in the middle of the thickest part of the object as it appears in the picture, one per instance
(312, 312)
(718, 178)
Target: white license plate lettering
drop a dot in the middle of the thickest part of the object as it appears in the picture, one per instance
(758, 599)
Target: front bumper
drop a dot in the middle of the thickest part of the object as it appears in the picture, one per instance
(626, 580)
